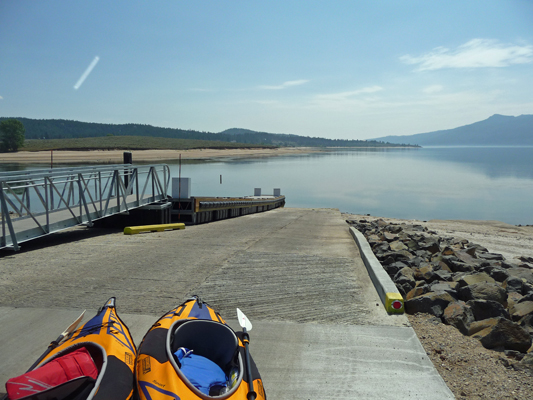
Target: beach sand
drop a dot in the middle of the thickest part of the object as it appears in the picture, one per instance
(157, 156)
(498, 237)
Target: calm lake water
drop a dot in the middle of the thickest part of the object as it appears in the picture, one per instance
(483, 183)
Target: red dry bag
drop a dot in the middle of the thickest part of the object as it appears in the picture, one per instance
(55, 373)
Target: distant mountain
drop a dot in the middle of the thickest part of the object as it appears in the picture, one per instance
(498, 130)
(65, 129)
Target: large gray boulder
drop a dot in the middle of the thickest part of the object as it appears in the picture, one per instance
(420, 289)
(416, 262)
(431, 245)
(502, 333)
(497, 273)
(484, 291)
(440, 286)
(527, 323)
(456, 265)
(476, 248)
(480, 277)
(490, 256)
(513, 284)
(430, 303)
(405, 275)
(522, 273)
(466, 257)
(426, 272)
(460, 315)
(404, 280)
(389, 237)
(444, 275)
(397, 246)
(526, 297)
(392, 269)
(485, 309)
(520, 310)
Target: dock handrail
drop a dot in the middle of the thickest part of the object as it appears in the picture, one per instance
(39, 202)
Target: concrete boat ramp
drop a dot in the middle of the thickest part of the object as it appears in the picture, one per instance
(319, 332)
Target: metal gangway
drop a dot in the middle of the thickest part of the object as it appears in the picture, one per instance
(35, 203)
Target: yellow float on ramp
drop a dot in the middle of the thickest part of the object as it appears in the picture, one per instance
(132, 230)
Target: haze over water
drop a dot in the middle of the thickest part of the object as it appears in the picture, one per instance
(476, 183)
(483, 183)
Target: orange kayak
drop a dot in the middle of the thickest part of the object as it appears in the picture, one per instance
(107, 347)
(185, 336)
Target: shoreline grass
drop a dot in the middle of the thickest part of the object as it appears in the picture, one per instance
(132, 143)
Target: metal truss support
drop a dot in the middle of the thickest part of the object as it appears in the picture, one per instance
(39, 202)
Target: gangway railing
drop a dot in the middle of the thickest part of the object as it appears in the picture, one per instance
(34, 203)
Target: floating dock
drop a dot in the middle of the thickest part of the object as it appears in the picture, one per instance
(198, 210)
(193, 210)
(37, 203)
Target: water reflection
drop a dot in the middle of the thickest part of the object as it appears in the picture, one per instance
(491, 161)
(427, 183)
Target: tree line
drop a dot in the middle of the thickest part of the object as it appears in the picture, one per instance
(65, 129)
(11, 135)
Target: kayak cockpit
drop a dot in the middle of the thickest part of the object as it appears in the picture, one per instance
(205, 355)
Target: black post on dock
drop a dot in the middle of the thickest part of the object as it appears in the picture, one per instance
(128, 159)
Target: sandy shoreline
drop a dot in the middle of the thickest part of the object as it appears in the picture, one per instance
(459, 359)
(498, 237)
(116, 156)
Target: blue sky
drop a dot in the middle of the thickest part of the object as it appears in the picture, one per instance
(336, 69)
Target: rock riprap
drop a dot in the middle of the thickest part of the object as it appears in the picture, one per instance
(480, 293)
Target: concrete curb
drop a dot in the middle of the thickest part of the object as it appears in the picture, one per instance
(390, 297)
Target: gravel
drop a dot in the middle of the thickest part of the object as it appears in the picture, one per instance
(471, 371)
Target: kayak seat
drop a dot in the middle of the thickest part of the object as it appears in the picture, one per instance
(212, 340)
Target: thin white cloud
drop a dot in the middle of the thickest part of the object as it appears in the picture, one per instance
(285, 85)
(347, 95)
(1, 98)
(433, 89)
(346, 101)
(476, 53)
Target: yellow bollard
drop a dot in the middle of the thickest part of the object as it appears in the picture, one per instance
(132, 230)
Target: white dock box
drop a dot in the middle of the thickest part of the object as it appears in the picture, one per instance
(183, 192)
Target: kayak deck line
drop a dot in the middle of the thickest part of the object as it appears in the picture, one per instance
(132, 230)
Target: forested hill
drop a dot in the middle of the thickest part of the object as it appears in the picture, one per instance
(497, 130)
(64, 129)
(282, 139)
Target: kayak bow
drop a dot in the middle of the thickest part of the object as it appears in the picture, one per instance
(106, 342)
(164, 370)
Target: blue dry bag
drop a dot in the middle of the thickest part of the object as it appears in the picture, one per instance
(200, 371)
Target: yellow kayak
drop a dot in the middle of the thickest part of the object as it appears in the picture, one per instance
(105, 346)
(190, 338)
